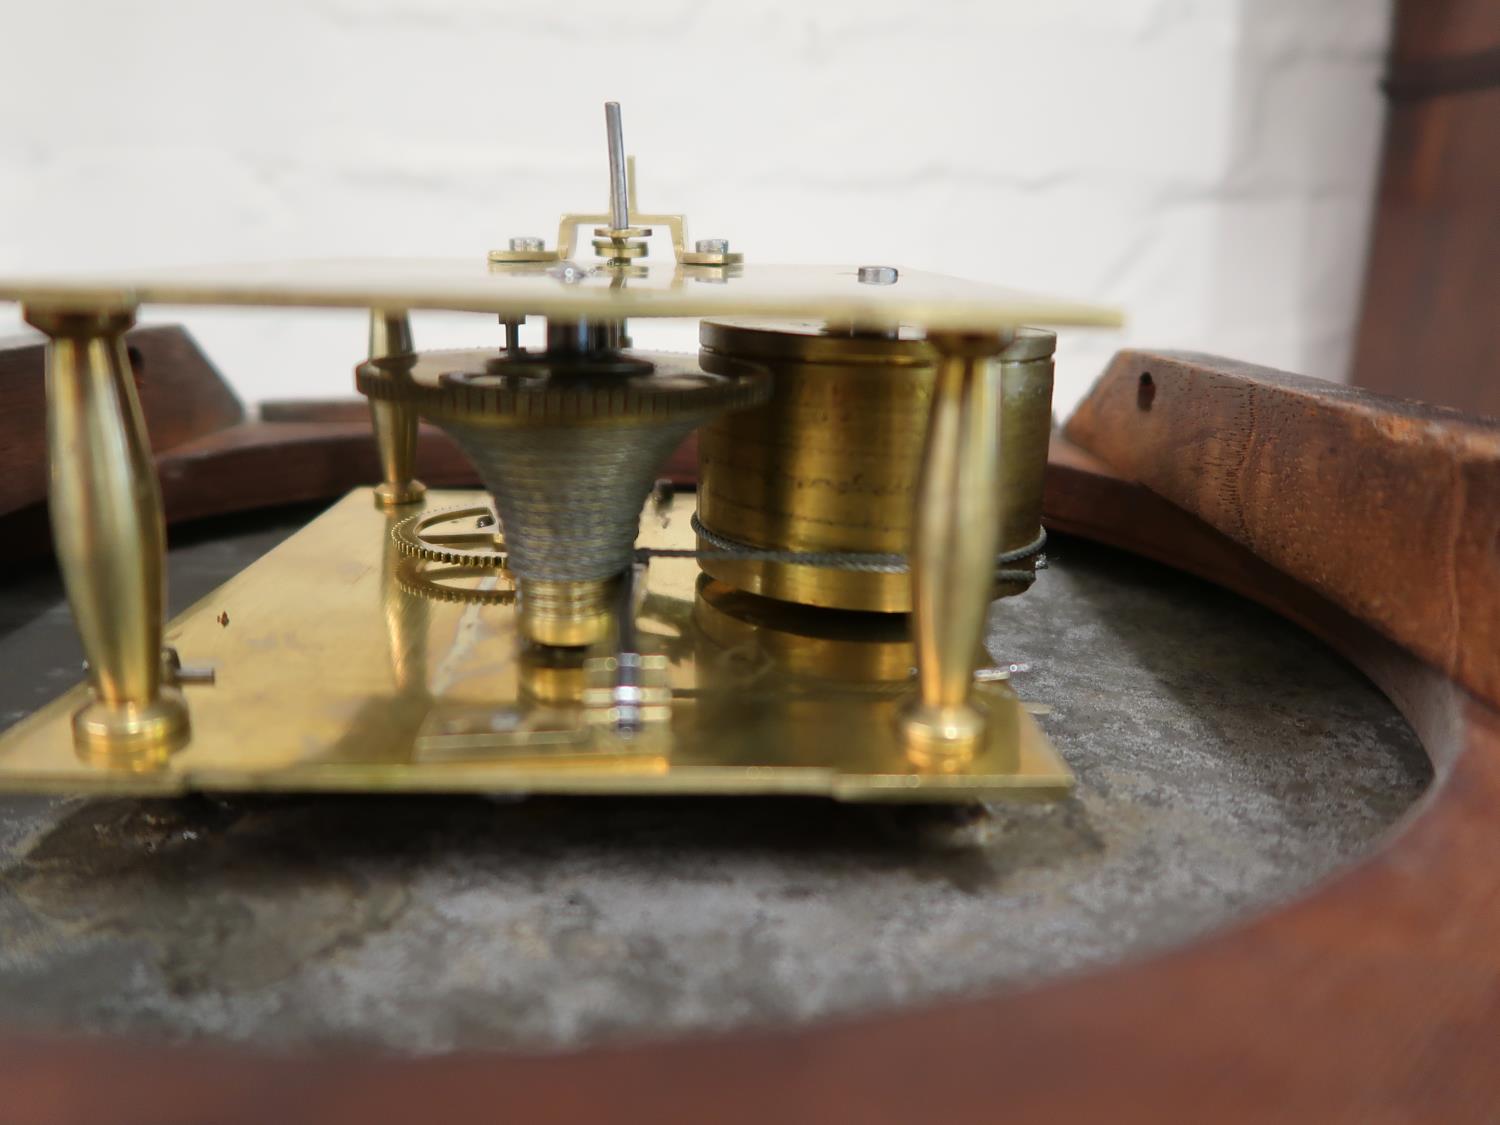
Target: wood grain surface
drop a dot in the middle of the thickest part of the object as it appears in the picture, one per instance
(1389, 508)
(249, 465)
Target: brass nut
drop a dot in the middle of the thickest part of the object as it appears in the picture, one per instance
(502, 257)
(138, 737)
(389, 495)
(941, 740)
(711, 258)
(608, 248)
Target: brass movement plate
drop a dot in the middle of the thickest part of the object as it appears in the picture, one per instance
(335, 673)
(930, 300)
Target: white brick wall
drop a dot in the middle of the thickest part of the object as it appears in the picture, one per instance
(1208, 165)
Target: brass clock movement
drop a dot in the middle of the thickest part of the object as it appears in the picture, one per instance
(871, 442)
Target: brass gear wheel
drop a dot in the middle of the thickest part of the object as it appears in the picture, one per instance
(428, 536)
(441, 582)
(484, 387)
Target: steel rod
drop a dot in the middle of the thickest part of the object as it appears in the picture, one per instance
(619, 185)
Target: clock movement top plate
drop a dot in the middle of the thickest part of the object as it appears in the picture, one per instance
(569, 290)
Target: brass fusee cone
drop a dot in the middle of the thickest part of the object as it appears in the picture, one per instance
(569, 448)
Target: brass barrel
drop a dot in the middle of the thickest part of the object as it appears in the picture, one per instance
(850, 648)
(830, 461)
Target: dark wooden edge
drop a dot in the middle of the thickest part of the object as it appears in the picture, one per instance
(1409, 80)
(266, 464)
(1389, 508)
(263, 464)
(1376, 997)
(315, 451)
(1427, 325)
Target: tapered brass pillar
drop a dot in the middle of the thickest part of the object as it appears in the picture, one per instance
(395, 423)
(109, 535)
(955, 531)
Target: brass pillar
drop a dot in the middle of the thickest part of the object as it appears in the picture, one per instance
(109, 534)
(395, 423)
(955, 531)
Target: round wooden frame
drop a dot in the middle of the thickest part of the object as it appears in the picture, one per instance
(1376, 996)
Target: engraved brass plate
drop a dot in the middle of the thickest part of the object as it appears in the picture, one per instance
(337, 671)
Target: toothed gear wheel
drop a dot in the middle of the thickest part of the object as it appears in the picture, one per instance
(416, 577)
(481, 387)
(427, 536)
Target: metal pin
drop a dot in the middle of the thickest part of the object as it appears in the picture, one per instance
(1000, 673)
(625, 692)
(661, 500)
(619, 187)
(174, 671)
(195, 674)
